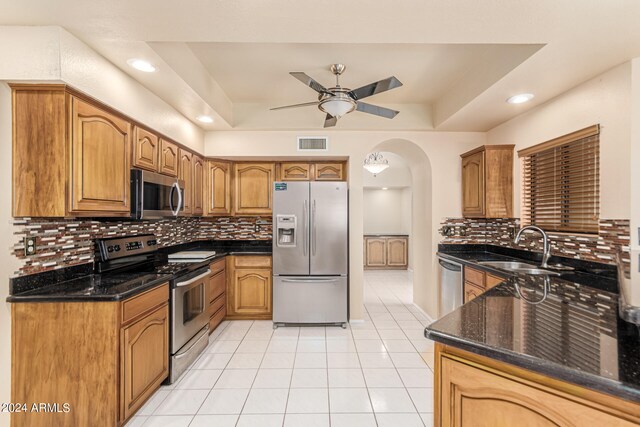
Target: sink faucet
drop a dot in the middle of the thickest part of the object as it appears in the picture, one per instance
(545, 243)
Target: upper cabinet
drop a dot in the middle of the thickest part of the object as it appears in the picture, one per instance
(487, 182)
(145, 149)
(185, 173)
(197, 200)
(311, 171)
(217, 199)
(253, 188)
(168, 163)
(70, 157)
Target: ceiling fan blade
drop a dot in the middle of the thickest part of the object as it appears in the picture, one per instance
(309, 82)
(304, 104)
(330, 121)
(373, 88)
(378, 111)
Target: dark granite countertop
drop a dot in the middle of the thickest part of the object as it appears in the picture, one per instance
(79, 283)
(556, 327)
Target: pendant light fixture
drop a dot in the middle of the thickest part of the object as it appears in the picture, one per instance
(375, 163)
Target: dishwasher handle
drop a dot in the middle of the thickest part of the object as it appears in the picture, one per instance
(451, 266)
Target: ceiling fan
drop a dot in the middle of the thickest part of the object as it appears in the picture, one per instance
(338, 101)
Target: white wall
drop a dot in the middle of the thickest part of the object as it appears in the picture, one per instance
(606, 100)
(441, 172)
(385, 211)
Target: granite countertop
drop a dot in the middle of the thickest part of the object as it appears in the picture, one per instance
(555, 326)
(81, 284)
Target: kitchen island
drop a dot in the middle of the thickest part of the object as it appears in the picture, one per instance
(536, 351)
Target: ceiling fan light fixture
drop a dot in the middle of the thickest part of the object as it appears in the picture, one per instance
(337, 105)
(375, 163)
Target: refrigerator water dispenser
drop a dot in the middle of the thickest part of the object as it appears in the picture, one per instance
(286, 230)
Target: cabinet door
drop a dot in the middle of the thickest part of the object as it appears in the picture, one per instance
(185, 173)
(145, 358)
(329, 172)
(218, 188)
(145, 149)
(253, 188)
(295, 172)
(168, 163)
(473, 185)
(375, 251)
(100, 162)
(198, 186)
(397, 252)
(492, 281)
(471, 291)
(470, 396)
(251, 293)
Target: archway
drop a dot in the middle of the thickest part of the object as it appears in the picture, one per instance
(425, 292)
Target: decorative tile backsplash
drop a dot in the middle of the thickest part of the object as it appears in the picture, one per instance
(63, 243)
(613, 237)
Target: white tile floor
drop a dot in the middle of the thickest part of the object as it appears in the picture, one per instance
(375, 373)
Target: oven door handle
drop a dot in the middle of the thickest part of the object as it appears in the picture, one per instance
(195, 279)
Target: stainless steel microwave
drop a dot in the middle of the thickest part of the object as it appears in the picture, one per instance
(155, 196)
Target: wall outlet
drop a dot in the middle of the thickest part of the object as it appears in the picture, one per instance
(29, 246)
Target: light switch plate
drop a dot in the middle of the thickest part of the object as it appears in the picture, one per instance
(29, 246)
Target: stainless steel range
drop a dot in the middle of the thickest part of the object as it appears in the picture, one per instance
(188, 278)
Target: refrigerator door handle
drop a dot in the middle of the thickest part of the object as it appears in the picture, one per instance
(305, 221)
(313, 228)
(309, 280)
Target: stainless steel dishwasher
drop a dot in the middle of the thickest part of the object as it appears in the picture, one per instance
(450, 286)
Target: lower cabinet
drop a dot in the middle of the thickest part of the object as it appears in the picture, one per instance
(103, 359)
(386, 252)
(472, 390)
(477, 281)
(217, 294)
(249, 287)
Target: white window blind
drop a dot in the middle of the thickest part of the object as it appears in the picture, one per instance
(561, 183)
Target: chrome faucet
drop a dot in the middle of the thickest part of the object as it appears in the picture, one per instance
(546, 247)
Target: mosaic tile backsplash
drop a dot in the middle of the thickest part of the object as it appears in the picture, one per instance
(613, 237)
(64, 243)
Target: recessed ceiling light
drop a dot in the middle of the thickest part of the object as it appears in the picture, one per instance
(205, 119)
(520, 98)
(385, 188)
(141, 65)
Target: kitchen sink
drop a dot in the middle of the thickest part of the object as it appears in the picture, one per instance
(519, 267)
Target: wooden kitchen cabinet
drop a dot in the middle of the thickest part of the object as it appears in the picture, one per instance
(146, 147)
(472, 390)
(197, 195)
(249, 287)
(487, 182)
(104, 359)
(330, 171)
(217, 294)
(169, 158)
(477, 281)
(186, 173)
(386, 252)
(253, 188)
(100, 160)
(217, 188)
(295, 172)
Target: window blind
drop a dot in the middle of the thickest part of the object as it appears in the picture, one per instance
(561, 183)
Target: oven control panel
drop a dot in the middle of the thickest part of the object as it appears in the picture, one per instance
(119, 247)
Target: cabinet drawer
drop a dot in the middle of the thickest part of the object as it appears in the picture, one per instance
(134, 307)
(217, 265)
(474, 276)
(217, 304)
(216, 319)
(492, 281)
(252, 261)
(217, 285)
(471, 291)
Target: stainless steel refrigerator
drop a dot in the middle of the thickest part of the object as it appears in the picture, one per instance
(310, 252)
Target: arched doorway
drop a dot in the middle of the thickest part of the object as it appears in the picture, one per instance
(425, 293)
